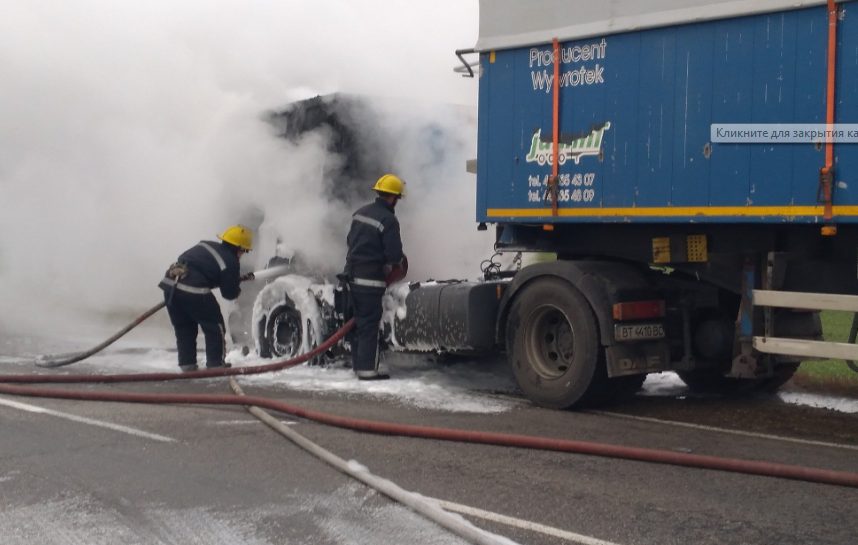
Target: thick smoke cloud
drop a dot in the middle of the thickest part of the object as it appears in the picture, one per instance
(130, 130)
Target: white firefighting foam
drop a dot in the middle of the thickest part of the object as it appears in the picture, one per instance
(394, 309)
(300, 293)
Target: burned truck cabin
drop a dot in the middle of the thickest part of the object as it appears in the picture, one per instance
(352, 138)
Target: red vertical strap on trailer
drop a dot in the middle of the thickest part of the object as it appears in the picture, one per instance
(555, 134)
(826, 174)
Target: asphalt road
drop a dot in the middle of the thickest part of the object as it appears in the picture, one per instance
(207, 474)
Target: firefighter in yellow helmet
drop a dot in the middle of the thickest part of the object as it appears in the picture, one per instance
(374, 260)
(188, 286)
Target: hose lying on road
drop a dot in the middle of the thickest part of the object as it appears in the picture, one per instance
(59, 360)
(769, 469)
(417, 503)
(443, 434)
(202, 373)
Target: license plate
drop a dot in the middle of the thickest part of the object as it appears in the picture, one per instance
(636, 332)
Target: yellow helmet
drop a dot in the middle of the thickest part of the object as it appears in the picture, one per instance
(238, 235)
(390, 184)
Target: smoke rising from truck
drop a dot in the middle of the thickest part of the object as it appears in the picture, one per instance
(132, 130)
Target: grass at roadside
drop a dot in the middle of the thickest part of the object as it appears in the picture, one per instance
(830, 376)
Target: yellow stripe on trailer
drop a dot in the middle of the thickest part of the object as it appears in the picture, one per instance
(673, 211)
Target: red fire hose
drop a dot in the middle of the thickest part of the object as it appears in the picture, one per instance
(769, 469)
(202, 373)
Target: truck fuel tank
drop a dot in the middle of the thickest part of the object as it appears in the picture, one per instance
(449, 316)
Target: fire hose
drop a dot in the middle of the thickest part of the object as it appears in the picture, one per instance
(751, 467)
(60, 360)
(417, 503)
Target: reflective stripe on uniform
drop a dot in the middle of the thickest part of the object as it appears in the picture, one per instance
(215, 255)
(370, 283)
(369, 221)
(183, 287)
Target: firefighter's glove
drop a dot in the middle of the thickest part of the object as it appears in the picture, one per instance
(396, 272)
(177, 271)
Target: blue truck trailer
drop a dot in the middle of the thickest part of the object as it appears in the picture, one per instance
(669, 153)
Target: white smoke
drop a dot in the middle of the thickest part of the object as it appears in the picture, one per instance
(131, 130)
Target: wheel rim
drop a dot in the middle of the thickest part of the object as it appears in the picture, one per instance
(550, 342)
(286, 338)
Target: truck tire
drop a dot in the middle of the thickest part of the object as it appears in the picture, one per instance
(282, 336)
(781, 375)
(788, 323)
(713, 381)
(626, 387)
(553, 345)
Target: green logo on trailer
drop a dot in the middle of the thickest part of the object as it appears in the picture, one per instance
(588, 144)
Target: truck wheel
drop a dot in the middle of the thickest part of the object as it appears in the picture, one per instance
(553, 345)
(782, 374)
(791, 323)
(788, 323)
(628, 386)
(713, 381)
(282, 336)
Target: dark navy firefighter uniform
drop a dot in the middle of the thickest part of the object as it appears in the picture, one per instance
(374, 247)
(188, 289)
